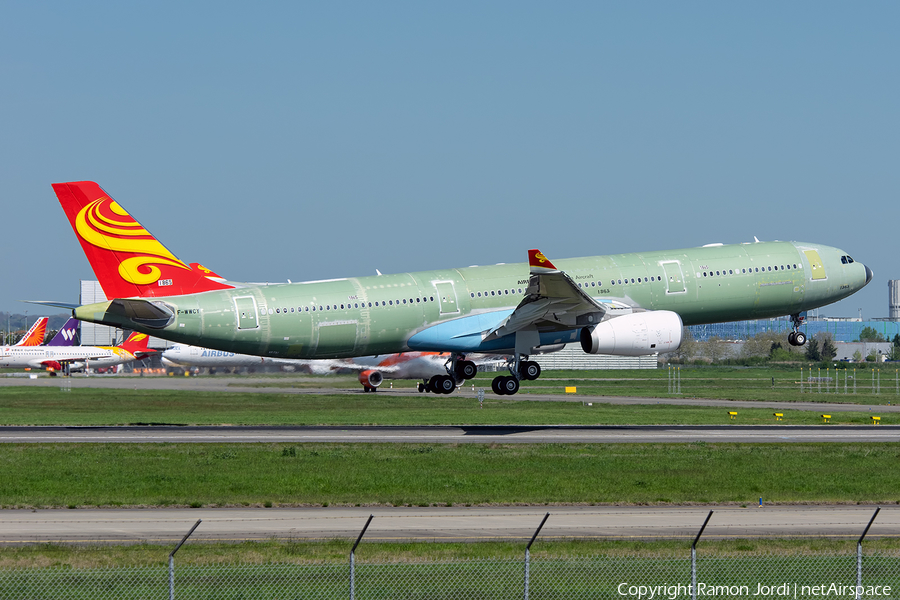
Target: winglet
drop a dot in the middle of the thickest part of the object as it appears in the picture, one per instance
(539, 263)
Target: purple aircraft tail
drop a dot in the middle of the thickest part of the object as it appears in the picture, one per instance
(66, 335)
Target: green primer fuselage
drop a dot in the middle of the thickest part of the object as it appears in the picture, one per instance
(377, 315)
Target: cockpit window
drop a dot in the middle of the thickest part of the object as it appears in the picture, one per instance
(846, 260)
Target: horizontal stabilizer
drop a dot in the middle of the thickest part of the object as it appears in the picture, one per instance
(126, 313)
(66, 305)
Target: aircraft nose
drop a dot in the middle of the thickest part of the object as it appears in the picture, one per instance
(869, 275)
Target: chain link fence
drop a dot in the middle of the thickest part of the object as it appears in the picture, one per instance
(635, 576)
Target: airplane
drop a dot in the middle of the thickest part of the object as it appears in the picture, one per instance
(625, 304)
(372, 370)
(133, 348)
(58, 356)
(35, 335)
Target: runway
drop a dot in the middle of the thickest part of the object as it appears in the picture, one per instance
(263, 385)
(167, 526)
(475, 434)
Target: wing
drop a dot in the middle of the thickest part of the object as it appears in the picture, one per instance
(553, 302)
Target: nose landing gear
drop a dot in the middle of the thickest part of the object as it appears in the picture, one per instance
(796, 337)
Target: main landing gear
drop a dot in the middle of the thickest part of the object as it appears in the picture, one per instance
(796, 337)
(520, 369)
(458, 370)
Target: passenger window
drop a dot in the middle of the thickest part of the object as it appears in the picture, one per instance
(492, 292)
(391, 302)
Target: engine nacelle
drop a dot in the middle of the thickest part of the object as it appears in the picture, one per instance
(371, 379)
(637, 334)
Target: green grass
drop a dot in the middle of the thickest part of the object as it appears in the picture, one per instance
(82, 406)
(781, 384)
(725, 383)
(572, 576)
(337, 551)
(85, 475)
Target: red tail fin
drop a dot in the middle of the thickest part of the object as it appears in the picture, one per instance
(35, 335)
(137, 345)
(125, 257)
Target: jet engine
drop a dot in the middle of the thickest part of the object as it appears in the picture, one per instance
(637, 334)
(370, 379)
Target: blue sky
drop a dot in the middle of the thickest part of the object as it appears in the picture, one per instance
(315, 140)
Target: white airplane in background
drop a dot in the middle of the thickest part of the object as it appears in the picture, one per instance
(430, 367)
(55, 357)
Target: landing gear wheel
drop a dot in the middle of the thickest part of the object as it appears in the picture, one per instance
(366, 388)
(442, 384)
(466, 369)
(792, 338)
(799, 338)
(530, 370)
(421, 387)
(509, 385)
(495, 386)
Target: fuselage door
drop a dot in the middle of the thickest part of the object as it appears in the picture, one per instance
(815, 264)
(447, 296)
(674, 277)
(245, 309)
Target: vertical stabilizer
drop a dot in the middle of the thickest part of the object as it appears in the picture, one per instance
(35, 335)
(66, 335)
(127, 260)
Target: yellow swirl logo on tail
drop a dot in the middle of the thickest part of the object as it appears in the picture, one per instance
(106, 225)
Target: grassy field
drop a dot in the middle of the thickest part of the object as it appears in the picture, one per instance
(731, 383)
(337, 551)
(86, 475)
(51, 406)
(872, 386)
